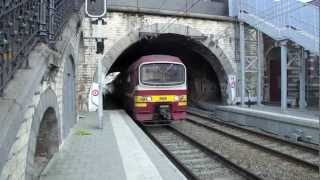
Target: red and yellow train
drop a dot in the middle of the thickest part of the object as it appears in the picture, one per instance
(155, 89)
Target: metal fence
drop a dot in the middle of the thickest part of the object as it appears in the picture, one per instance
(23, 23)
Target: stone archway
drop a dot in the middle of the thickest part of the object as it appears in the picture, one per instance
(223, 67)
(69, 99)
(45, 124)
(47, 142)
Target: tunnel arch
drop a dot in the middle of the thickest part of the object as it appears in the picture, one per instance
(47, 107)
(47, 142)
(222, 66)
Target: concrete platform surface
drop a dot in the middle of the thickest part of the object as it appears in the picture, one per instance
(295, 116)
(120, 151)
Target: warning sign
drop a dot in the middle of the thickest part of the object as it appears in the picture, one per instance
(232, 81)
(232, 87)
(93, 97)
(95, 92)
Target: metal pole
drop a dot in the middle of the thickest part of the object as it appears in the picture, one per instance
(100, 51)
(92, 9)
(260, 61)
(284, 56)
(302, 80)
(100, 108)
(242, 64)
(319, 75)
(319, 64)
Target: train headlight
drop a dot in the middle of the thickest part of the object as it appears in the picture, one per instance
(182, 98)
(176, 98)
(149, 99)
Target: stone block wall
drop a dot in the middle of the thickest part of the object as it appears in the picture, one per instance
(120, 25)
(28, 96)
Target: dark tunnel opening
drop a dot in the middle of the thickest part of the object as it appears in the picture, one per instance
(202, 80)
(47, 142)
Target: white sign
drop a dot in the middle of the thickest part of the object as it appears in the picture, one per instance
(95, 92)
(232, 80)
(93, 97)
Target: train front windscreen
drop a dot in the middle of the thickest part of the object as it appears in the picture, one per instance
(159, 74)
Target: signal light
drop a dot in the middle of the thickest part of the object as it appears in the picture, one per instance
(96, 8)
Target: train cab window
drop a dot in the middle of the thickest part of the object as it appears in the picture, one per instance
(162, 74)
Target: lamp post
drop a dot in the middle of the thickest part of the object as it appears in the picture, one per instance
(96, 10)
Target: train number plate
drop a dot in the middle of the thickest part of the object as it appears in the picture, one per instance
(164, 106)
(163, 98)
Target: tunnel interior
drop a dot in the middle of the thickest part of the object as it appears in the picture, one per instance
(47, 141)
(202, 80)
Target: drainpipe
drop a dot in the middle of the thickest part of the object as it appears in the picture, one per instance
(242, 65)
(284, 76)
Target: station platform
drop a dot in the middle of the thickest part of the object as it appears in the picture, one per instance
(120, 151)
(295, 124)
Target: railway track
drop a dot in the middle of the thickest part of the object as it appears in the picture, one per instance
(264, 156)
(306, 154)
(212, 118)
(195, 160)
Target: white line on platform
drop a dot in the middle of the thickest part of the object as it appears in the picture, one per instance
(136, 162)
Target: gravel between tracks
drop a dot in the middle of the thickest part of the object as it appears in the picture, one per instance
(309, 155)
(201, 164)
(262, 163)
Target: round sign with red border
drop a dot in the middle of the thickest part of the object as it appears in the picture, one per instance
(95, 92)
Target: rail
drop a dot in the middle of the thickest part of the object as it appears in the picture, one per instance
(312, 164)
(23, 23)
(213, 119)
(256, 154)
(184, 143)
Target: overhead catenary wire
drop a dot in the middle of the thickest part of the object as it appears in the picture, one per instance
(269, 10)
(184, 10)
(161, 5)
(282, 12)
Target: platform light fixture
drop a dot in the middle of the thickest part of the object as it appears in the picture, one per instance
(96, 10)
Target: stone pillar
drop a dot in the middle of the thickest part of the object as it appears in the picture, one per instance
(284, 59)
(302, 81)
(242, 65)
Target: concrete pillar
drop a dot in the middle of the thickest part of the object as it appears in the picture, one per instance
(302, 81)
(242, 65)
(284, 59)
(260, 50)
